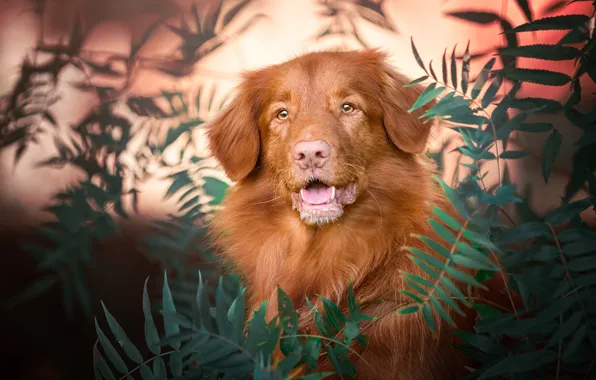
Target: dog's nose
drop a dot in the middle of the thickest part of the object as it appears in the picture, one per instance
(311, 154)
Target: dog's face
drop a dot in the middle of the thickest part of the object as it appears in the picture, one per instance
(315, 124)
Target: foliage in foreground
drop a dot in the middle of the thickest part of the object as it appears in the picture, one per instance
(211, 344)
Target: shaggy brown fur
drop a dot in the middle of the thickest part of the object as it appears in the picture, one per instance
(378, 148)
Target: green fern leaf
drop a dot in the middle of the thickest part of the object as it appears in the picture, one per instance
(170, 326)
(129, 348)
(175, 362)
(428, 317)
(463, 277)
(564, 22)
(236, 318)
(442, 231)
(436, 247)
(416, 81)
(445, 297)
(436, 305)
(201, 307)
(151, 334)
(429, 93)
(582, 264)
(409, 310)
(417, 56)
(465, 70)
(146, 373)
(416, 287)
(289, 322)
(538, 76)
(453, 69)
(100, 364)
(420, 280)
(223, 324)
(513, 154)
(431, 272)
(567, 329)
(447, 219)
(110, 351)
(333, 314)
(215, 188)
(568, 211)
(451, 288)
(492, 90)
(444, 66)
(550, 151)
(578, 337)
(312, 351)
(338, 356)
(432, 71)
(414, 297)
(519, 363)
(159, 368)
(475, 255)
(426, 257)
(482, 78)
(542, 51)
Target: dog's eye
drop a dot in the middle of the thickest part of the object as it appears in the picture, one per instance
(347, 108)
(282, 114)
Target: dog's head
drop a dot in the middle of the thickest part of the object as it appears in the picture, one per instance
(315, 124)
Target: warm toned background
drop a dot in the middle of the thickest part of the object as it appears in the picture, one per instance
(287, 29)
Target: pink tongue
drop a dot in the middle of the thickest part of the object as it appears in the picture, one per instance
(316, 196)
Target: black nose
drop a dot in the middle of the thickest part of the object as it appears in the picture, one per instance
(311, 154)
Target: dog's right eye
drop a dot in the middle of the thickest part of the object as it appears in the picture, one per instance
(282, 114)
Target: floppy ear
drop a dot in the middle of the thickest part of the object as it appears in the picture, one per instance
(234, 135)
(406, 130)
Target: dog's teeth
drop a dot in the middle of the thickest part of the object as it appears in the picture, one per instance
(302, 195)
(332, 192)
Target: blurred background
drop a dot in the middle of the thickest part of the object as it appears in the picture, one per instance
(138, 77)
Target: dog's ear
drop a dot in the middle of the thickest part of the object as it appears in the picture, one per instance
(406, 130)
(234, 134)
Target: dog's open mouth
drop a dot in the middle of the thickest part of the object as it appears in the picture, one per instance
(319, 203)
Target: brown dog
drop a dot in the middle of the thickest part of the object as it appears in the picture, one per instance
(331, 184)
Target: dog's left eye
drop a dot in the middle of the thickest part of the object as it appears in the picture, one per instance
(347, 108)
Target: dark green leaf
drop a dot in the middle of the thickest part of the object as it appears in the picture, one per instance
(101, 365)
(519, 363)
(151, 334)
(542, 51)
(110, 351)
(492, 90)
(171, 327)
(129, 348)
(525, 7)
(514, 154)
(429, 93)
(215, 188)
(312, 350)
(428, 317)
(566, 329)
(482, 78)
(550, 151)
(409, 310)
(535, 127)
(482, 18)
(568, 211)
(417, 56)
(417, 81)
(538, 76)
(465, 70)
(453, 69)
(562, 22)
